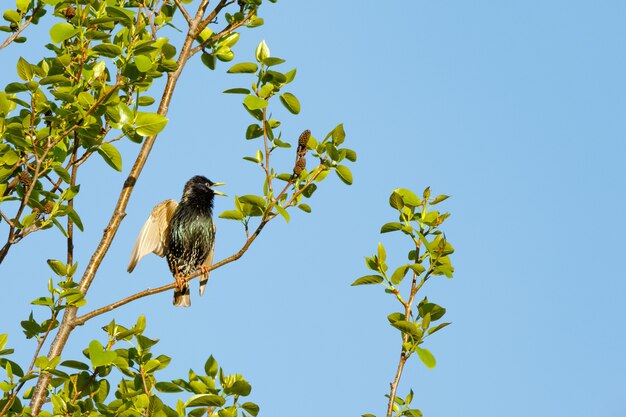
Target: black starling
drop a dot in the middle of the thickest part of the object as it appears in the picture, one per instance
(184, 233)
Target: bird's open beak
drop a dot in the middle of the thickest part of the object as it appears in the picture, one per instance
(217, 184)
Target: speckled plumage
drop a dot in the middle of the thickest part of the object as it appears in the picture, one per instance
(182, 232)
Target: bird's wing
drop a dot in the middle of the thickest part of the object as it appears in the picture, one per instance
(153, 235)
(208, 262)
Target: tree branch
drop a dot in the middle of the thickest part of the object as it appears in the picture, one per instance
(79, 321)
(68, 323)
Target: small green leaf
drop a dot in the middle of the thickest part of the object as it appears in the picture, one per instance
(409, 328)
(75, 365)
(62, 31)
(205, 400)
(390, 227)
(344, 174)
(438, 327)
(167, 387)
(111, 156)
(143, 62)
(290, 102)
(262, 51)
(254, 103)
(339, 134)
(108, 50)
(149, 124)
(210, 367)
(231, 215)
(241, 387)
(99, 356)
(250, 408)
(237, 91)
(439, 199)
(427, 358)
(57, 267)
(11, 16)
(305, 207)
(399, 274)
(24, 70)
(254, 200)
(283, 213)
(368, 280)
(243, 68)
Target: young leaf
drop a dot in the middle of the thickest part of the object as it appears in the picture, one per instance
(149, 124)
(290, 102)
(111, 156)
(427, 358)
(254, 103)
(344, 174)
(368, 280)
(243, 68)
(62, 31)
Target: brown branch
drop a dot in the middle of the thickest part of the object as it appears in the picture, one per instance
(40, 343)
(79, 321)
(15, 35)
(183, 11)
(69, 317)
(227, 30)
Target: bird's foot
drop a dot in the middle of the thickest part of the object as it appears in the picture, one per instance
(204, 270)
(180, 281)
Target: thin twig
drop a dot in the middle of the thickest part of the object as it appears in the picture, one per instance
(16, 34)
(183, 11)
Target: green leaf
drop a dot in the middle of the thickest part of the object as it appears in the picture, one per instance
(339, 134)
(241, 387)
(205, 400)
(3, 340)
(368, 279)
(75, 365)
(439, 199)
(99, 356)
(344, 174)
(62, 31)
(399, 274)
(390, 227)
(417, 268)
(262, 51)
(250, 408)
(290, 102)
(305, 207)
(427, 358)
(12, 16)
(57, 267)
(237, 91)
(210, 367)
(231, 215)
(283, 213)
(143, 62)
(108, 50)
(254, 200)
(22, 5)
(111, 156)
(167, 387)
(409, 328)
(254, 103)
(409, 198)
(149, 124)
(438, 327)
(24, 70)
(243, 68)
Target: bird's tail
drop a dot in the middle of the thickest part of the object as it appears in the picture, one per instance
(203, 281)
(181, 296)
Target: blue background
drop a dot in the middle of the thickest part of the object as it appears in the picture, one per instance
(515, 109)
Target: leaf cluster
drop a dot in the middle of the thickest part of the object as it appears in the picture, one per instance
(428, 255)
(84, 387)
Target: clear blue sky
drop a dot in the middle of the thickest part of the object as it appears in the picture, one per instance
(515, 109)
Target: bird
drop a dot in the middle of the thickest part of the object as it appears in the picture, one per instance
(184, 233)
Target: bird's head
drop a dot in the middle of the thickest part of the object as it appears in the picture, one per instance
(201, 186)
